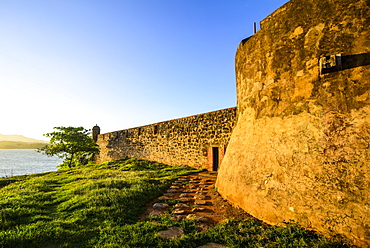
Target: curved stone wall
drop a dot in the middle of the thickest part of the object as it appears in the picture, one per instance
(301, 147)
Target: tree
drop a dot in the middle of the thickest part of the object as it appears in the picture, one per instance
(72, 144)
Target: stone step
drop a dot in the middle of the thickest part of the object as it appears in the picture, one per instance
(208, 174)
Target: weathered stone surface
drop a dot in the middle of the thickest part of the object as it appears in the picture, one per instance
(175, 142)
(300, 149)
(196, 217)
(195, 180)
(182, 179)
(198, 209)
(188, 190)
(155, 213)
(182, 206)
(171, 233)
(160, 205)
(185, 195)
(179, 211)
(200, 202)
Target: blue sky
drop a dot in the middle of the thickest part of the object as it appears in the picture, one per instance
(118, 63)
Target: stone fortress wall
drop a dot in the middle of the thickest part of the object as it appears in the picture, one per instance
(199, 141)
(301, 148)
(298, 144)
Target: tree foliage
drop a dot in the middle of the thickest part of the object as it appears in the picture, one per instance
(72, 144)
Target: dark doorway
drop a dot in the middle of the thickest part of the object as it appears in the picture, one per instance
(216, 158)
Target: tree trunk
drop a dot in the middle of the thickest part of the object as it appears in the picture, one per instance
(70, 161)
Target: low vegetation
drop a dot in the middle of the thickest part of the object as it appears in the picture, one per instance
(20, 145)
(99, 205)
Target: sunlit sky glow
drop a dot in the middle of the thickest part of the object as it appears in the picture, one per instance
(118, 63)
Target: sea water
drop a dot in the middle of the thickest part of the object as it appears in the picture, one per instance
(15, 162)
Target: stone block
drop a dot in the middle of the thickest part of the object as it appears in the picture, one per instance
(172, 233)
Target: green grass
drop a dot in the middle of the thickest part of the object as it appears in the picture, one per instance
(99, 206)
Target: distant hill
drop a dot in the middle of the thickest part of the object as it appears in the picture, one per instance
(16, 137)
(20, 142)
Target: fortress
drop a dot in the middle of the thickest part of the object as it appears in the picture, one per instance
(297, 146)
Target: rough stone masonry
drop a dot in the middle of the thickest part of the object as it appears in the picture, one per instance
(198, 141)
(301, 147)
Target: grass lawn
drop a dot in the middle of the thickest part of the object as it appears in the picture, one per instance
(99, 205)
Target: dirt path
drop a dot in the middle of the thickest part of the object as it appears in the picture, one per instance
(197, 199)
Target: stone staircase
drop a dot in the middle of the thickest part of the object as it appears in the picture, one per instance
(194, 194)
(196, 199)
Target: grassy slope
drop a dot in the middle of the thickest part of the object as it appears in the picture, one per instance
(98, 206)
